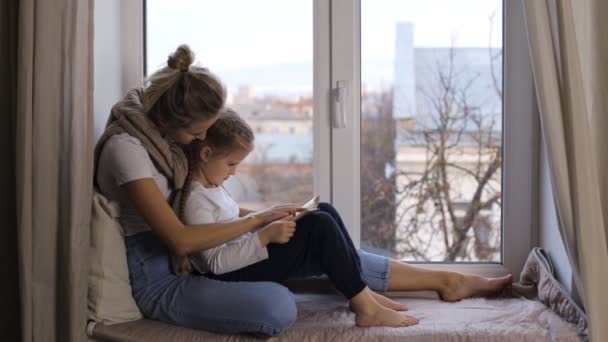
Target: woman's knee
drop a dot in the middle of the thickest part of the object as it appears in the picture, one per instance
(278, 312)
(264, 308)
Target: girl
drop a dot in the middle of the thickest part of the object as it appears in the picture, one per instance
(139, 164)
(278, 251)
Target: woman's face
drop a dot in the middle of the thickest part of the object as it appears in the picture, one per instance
(197, 130)
(218, 168)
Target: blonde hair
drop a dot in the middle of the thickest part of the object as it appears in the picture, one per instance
(228, 134)
(181, 93)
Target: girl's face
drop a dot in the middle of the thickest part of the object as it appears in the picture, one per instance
(197, 130)
(218, 168)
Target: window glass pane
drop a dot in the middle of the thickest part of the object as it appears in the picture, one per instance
(431, 129)
(262, 50)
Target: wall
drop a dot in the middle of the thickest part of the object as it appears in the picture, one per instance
(118, 54)
(107, 59)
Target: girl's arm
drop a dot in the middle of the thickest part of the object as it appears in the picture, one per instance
(185, 239)
(284, 207)
(245, 212)
(232, 256)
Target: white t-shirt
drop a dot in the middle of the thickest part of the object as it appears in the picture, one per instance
(124, 159)
(214, 205)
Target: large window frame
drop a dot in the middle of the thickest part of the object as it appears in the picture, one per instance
(520, 137)
(336, 44)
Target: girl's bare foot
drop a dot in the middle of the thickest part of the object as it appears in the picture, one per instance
(386, 302)
(459, 286)
(384, 317)
(370, 313)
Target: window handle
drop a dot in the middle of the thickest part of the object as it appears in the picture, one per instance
(340, 93)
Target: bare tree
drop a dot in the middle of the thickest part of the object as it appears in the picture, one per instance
(377, 179)
(445, 198)
(434, 209)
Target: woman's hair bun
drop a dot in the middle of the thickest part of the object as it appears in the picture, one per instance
(181, 59)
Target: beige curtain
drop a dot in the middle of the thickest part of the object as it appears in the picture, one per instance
(54, 137)
(569, 45)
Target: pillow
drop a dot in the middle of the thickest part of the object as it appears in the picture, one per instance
(538, 282)
(109, 296)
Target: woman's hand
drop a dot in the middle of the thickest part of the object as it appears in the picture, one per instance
(278, 231)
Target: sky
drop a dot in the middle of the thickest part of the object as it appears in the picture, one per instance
(241, 39)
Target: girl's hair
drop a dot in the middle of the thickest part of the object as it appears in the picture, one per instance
(228, 134)
(181, 93)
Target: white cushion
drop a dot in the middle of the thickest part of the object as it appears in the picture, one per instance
(109, 297)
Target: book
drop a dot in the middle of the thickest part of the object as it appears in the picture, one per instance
(310, 206)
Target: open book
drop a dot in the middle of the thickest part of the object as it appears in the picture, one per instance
(310, 206)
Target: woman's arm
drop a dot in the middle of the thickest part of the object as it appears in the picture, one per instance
(185, 239)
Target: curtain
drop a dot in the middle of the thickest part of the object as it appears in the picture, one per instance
(568, 47)
(9, 286)
(54, 138)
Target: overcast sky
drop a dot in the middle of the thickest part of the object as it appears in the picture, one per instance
(237, 34)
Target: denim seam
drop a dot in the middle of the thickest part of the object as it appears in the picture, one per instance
(387, 274)
(383, 276)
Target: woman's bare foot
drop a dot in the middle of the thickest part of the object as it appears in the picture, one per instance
(386, 302)
(370, 313)
(459, 286)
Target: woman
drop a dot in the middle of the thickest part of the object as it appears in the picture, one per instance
(139, 164)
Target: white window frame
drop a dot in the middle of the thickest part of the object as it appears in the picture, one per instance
(337, 58)
(322, 100)
(520, 133)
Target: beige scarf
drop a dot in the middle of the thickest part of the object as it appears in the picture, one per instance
(128, 116)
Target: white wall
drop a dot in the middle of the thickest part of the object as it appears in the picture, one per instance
(118, 54)
(107, 87)
(549, 236)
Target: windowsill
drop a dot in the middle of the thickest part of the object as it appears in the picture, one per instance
(325, 317)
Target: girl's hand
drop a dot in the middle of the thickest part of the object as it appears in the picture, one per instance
(275, 213)
(290, 208)
(277, 232)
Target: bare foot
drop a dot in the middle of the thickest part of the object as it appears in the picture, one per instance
(370, 313)
(383, 317)
(386, 302)
(460, 286)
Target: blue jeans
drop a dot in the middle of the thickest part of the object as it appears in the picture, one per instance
(198, 302)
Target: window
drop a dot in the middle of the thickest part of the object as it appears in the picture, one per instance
(263, 53)
(431, 129)
(412, 97)
(348, 164)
